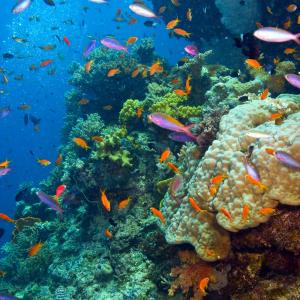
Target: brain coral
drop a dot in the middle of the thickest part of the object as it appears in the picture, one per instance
(205, 229)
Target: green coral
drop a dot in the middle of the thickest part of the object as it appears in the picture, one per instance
(171, 104)
(111, 148)
(129, 110)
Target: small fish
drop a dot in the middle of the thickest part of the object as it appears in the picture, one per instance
(21, 6)
(267, 211)
(8, 56)
(276, 35)
(245, 212)
(194, 205)
(269, 10)
(131, 40)
(173, 167)
(135, 73)
(50, 2)
(258, 135)
(19, 40)
(67, 41)
(107, 233)
(293, 79)
(81, 143)
(203, 283)
(172, 23)
(107, 107)
(105, 201)
(213, 189)
(289, 51)
(112, 43)
(5, 164)
(164, 156)
(189, 15)
(45, 63)
(182, 32)
(6, 218)
(83, 101)
(97, 138)
(58, 160)
(35, 249)
(150, 24)
(89, 48)
(156, 68)
(276, 116)
(158, 214)
(287, 24)
(4, 111)
(49, 201)
(286, 159)
(113, 72)
(4, 171)
(139, 112)
(180, 92)
(191, 50)
(88, 66)
(162, 9)
(175, 2)
(188, 86)
(264, 95)
(142, 10)
(44, 162)
(218, 179)
(270, 151)
(253, 63)
(226, 213)
(255, 182)
(124, 203)
(59, 191)
(48, 47)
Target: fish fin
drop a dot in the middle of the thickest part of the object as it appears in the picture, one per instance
(297, 38)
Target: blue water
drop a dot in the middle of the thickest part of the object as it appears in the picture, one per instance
(44, 92)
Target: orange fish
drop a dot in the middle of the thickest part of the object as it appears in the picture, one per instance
(158, 214)
(67, 41)
(156, 68)
(175, 2)
(123, 203)
(113, 72)
(213, 190)
(97, 138)
(180, 92)
(24, 106)
(276, 116)
(291, 8)
(131, 40)
(188, 87)
(83, 101)
(267, 211)
(218, 179)
(226, 213)
(264, 94)
(182, 32)
(270, 151)
(175, 80)
(45, 63)
(35, 249)
(139, 112)
(6, 218)
(107, 233)
(194, 205)
(4, 164)
(162, 9)
(166, 153)
(132, 21)
(245, 212)
(288, 51)
(44, 162)
(59, 160)
(287, 24)
(88, 66)
(135, 73)
(105, 201)
(172, 23)
(189, 15)
(173, 167)
(276, 60)
(203, 283)
(298, 20)
(81, 143)
(255, 182)
(253, 63)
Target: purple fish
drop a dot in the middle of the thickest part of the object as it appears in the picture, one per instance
(113, 44)
(180, 137)
(250, 169)
(176, 184)
(167, 122)
(90, 47)
(4, 171)
(287, 159)
(293, 79)
(4, 111)
(191, 49)
(48, 200)
(7, 297)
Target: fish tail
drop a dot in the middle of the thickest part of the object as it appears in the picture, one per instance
(297, 38)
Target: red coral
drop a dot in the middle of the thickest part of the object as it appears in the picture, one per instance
(188, 275)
